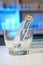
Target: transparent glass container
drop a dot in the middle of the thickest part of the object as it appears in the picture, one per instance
(18, 46)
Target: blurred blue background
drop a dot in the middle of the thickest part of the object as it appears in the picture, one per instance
(10, 18)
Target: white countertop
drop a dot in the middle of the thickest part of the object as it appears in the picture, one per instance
(6, 59)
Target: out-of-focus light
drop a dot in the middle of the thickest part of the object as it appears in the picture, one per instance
(13, 20)
(9, 18)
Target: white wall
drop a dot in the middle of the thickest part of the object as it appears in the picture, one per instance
(32, 59)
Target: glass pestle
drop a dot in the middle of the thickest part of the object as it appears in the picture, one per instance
(23, 29)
